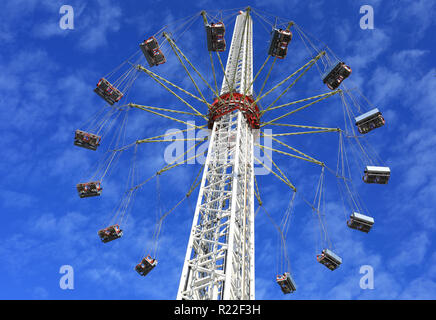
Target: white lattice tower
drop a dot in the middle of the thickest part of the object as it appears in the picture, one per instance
(219, 261)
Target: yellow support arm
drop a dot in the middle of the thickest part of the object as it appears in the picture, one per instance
(281, 172)
(297, 101)
(295, 81)
(310, 63)
(299, 109)
(156, 78)
(162, 115)
(270, 170)
(307, 158)
(195, 69)
(142, 107)
(304, 132)
(172, 44)
(175, 164)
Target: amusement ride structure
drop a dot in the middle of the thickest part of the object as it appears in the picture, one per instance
(219, 263)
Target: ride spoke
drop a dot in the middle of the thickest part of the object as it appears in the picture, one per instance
(281, 172)
(299, 109)
(298, 101)
(275, 174)
(156, 78)
(306, 157)
(171, 42)
(162, 115)
(303, 126)
(311, 62)
(304, 132)
(213, 71)
(195, 69)
(167, 110)
(291, 85)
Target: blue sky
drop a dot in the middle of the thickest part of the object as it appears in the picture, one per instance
(48, 75)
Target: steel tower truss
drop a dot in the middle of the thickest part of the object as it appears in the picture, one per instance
(219, 262)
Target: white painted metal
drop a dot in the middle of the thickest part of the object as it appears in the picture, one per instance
(219, 261)
(239, 67)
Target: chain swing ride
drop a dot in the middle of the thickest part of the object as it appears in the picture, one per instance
(219, 261)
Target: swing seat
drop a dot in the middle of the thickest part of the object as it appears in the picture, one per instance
(108, 92)
(360, 222)
(152, 52)
(329, 259)
(215, 37)
(86, 140)
(110, 233)
(369, 121)
(279, 43)
(146, 265)
(378, 175)
(286, 283)
(89, 189)
(336, 74)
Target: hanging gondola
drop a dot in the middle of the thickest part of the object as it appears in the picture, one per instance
(146, 265)
(378, 175)
(91, 133)
(335, 75)
(360, 222)
(329, 259)
(110, 233)
(86, 140)
(108, 92)
(279, 43)
(89, 189)
(286, 283)
(215, 37)
(152, 52)
(369, 121)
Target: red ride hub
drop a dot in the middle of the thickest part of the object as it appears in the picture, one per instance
(235, 101)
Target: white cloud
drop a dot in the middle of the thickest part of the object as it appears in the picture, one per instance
(99, 25)
(411, 252)
(421, 12)
(367, 48)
